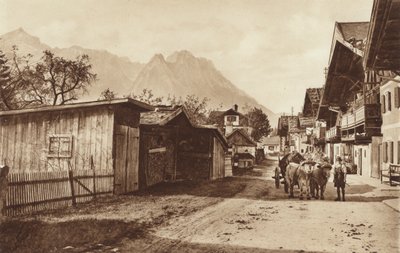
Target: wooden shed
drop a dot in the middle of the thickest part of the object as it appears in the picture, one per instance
(172, 147)
(99, 139)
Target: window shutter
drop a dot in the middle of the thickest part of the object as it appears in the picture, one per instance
(384, 152)
(383, 104)
(389, 101)
(398, 152)
(391, 151)
(396, 97)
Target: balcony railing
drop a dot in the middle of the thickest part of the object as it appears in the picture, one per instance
(333, 133)
(366, 114)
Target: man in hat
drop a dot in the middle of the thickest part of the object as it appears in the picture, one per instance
(339, 178)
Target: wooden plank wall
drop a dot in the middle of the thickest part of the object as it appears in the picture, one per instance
(218, 160)
(36, 191)
(24, 140)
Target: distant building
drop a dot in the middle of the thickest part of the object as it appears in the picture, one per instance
(241, 143)
(230, 120)
(288, 127)
(271, 145)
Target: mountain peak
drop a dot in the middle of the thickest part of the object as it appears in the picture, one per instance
(182, 55)
(157, 58)
(20, 37)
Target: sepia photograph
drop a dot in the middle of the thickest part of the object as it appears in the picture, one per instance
(215, 126)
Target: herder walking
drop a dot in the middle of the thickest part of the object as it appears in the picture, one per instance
(339, 178)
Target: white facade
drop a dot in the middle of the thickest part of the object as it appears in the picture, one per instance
(390, 96)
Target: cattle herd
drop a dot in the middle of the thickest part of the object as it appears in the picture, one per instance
(310, 172)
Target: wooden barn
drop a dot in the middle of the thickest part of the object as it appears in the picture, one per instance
(172, 147)
(59, 154)
(242, 143)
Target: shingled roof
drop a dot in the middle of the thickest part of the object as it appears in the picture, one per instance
(162, 115)
(354, 30)
(314, 94)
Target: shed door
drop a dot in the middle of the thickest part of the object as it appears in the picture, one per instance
(126, 177)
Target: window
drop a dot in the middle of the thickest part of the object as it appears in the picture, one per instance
(230, 118)
(389, 101)
(60, 145)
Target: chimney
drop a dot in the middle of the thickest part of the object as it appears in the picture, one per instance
(235, 107)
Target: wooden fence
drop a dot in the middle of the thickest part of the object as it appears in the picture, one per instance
(36, 191)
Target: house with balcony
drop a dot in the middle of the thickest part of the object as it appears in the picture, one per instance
(289, 132)
(350, 104)
(382, 57)
(314, 130)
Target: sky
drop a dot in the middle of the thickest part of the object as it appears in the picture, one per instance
(273, 50)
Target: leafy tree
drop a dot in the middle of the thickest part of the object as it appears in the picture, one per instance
(258, 120)
(148, 97)
(196, 107)
(51, 81)
(107, 94)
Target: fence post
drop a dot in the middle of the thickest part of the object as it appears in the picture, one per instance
(3, 189)
(94, 176)
(71, 182)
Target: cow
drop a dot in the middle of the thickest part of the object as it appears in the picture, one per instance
(299, 174)
(294, 157)
(319, 179)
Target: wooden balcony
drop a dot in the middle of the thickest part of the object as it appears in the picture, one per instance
(319, 132)
(356, 138)
(333, 134)
(360, 124)
(368, 115)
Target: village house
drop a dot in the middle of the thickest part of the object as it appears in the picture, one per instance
(230, 120)
(172, 148)
(350, 103)
(382, 58)
(270, 145)
(70, 152)
(314, 130)
(290, 133)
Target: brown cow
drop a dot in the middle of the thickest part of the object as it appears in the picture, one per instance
(319, 179)
(299, 174)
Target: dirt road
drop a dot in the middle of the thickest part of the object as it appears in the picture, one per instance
(325, 226)
(240, 214)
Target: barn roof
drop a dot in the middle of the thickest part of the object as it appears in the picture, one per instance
(140, 106)
(242, 133)
(163, 115)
